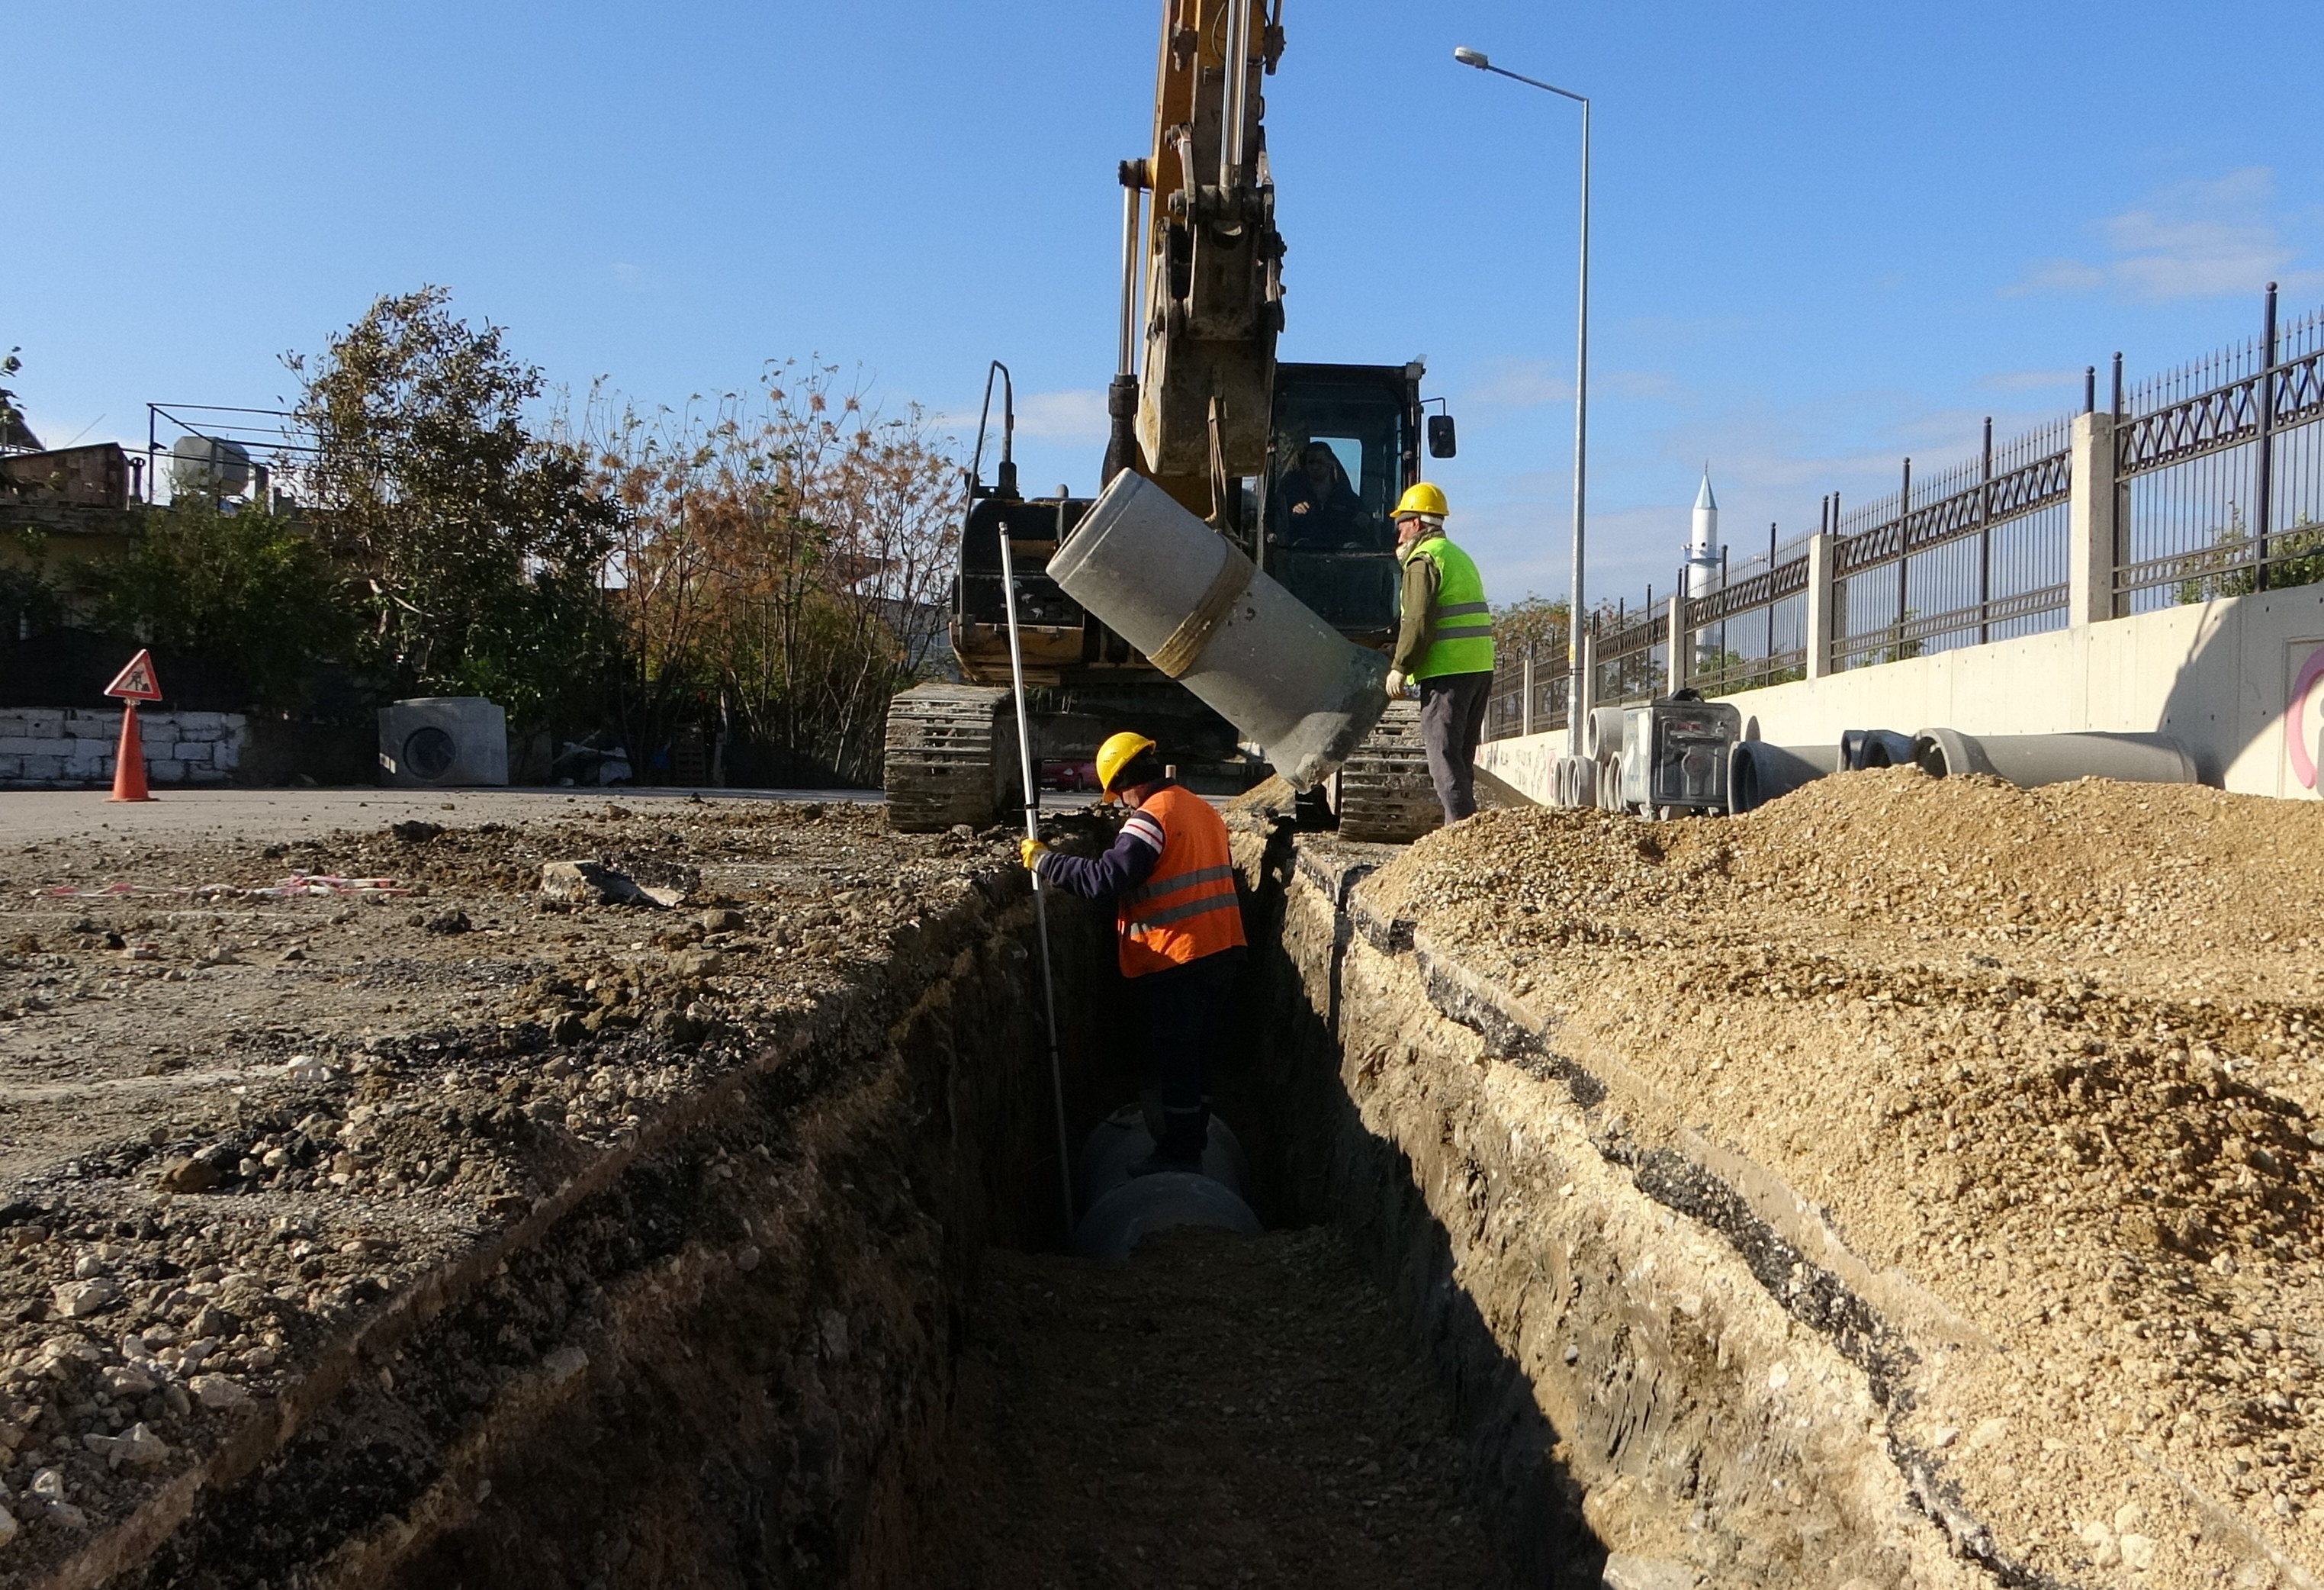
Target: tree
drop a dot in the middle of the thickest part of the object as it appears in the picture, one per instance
(783, 564)
(477, 547)
(247, 589)
(14, 432)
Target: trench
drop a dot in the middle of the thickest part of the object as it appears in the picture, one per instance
(816, 1328)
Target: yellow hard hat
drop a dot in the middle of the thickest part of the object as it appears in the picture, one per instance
(1118, 751)
(1420, 497)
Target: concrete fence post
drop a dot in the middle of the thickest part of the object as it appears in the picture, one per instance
(1820, 604)
(2090, 520)
(1675, 642)
(1524, 715)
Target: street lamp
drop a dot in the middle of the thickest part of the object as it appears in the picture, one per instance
(1574, 692)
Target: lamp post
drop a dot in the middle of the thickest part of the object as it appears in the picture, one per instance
(1574, 691)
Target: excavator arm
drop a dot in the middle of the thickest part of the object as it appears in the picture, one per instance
(1210, 258)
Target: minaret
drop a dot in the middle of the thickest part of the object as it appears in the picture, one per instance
(1703, 544)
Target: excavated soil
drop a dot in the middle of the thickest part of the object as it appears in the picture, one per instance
(1215, 1412)
(252, 1090)
(2051, 1055)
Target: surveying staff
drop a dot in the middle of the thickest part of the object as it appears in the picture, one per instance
(1178, 926)
(1445, 644)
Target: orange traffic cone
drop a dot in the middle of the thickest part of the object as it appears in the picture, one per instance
(129, 760)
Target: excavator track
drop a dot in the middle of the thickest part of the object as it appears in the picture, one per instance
(1386, 795)
(950, 758)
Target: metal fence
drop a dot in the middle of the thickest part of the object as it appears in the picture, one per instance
(2217, 470)
(2221, 465)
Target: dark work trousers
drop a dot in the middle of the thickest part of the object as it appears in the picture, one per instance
(1182, 1022)
(1452, 722)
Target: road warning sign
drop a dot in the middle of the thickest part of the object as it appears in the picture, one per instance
(136, 682)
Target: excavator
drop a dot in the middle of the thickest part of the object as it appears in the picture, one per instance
(1300, 465)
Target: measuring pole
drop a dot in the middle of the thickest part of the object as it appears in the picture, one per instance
(1040, 896)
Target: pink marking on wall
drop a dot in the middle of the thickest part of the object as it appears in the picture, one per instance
(2295, 714)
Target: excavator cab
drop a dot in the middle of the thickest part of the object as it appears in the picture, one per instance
(1344, 443)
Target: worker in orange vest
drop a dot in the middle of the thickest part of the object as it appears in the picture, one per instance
(1179, 930)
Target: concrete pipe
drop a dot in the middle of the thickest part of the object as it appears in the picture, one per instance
(2028, 761)
(1187, 598)
(1757, 772)
(1125, 1137)
(1135, 1210)
(1863, 748)
(1575, 781)
(1604, 734)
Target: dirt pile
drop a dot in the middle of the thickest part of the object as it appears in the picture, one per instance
(1216, 1413)
(2052, 1055)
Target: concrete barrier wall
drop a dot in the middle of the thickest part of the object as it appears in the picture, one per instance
(61, 749)
(2238, 681)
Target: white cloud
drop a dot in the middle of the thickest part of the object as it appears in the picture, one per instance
(2031, 380)
(1076, 415)
(2192, 240)
(1518, 384)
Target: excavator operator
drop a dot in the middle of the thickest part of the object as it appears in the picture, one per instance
(1443, 644)
(1320, 508)
(1178, 927)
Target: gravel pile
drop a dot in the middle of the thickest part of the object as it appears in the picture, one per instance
(235, 1124)
(2054, 1055)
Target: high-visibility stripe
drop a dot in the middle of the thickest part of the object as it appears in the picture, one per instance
(1178, 913)
(1460, 609)
(1469, 633)
(1171, 885)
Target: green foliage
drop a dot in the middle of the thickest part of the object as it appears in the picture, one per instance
(477, 548)
(13, 431)
(247, 589)
(30, 601)
(2295, 557)
(1535, 624)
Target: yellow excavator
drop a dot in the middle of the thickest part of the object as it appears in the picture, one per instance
(1298, 464)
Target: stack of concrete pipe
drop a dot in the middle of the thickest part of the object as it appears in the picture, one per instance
(1758, 773)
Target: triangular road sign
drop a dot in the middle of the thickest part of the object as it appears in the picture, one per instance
(137, 681)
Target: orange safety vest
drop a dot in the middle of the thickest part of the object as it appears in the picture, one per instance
(1186, 909)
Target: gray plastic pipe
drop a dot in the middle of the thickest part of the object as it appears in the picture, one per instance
(1865, 748)
(2028, 761)
(1256, 655)
(1758, 773)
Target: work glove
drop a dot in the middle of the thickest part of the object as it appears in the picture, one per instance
(1396, 684)
(1031, 851)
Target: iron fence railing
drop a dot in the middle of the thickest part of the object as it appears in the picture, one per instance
(2218, 471)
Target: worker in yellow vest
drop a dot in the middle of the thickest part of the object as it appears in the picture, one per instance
(1178, 931)
(1443, 644)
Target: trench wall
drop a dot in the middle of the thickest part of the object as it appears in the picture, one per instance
(721, 1354)
(1666, 1368)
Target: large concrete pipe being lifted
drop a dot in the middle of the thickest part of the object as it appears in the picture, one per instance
(1188, 599)
(1122, 1210)
(1757, 772)
(2028, 761)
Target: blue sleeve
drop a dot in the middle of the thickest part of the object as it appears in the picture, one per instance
(1117, 872)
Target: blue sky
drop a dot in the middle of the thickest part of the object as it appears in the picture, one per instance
(1826, 234)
